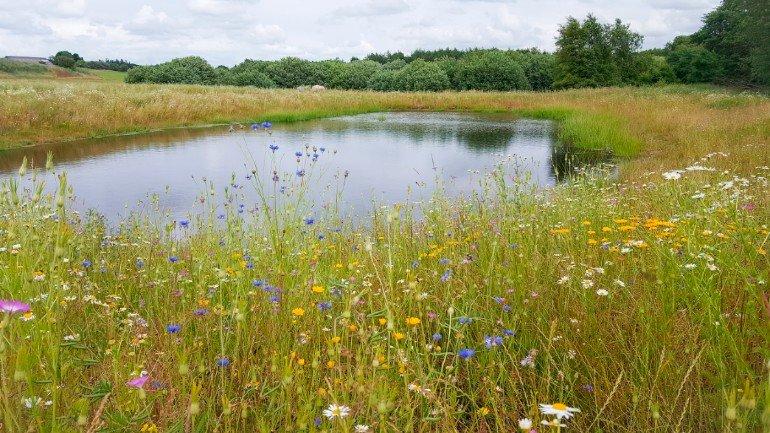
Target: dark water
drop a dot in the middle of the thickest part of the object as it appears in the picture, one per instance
(366, 159)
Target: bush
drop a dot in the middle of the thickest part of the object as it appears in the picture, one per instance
(450, 66)
(420, 75)
(383, 80)
(293, 72)
(492, 70)
(538, 67)
(654, 69)
(354, 75)
(694, 63)
(185, 70)
(394, 65)
(139, 74)
(65, 59)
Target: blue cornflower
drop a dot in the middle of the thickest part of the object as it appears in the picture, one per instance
(266, 124)
(249, 265)
(322, 149)
(324, 305)
(507, 308)
(309, 221)
(184, 223)
(466, 353)
(173, 259)
(443, 261)
(298, 154)
(223, 362)
(139, 263)
(437, 337)
(321, 237)
(335, 291)
(86, 263)
(221, 216)
(317, 421)
(509, 332)
(464, 320)
(446, 276)
(254, 126)
(498, 299)
(493, 341)
(173, 328)
(258, 283)
(300, 173)
(273, 147)
(275, 299)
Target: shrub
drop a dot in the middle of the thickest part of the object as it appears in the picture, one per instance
(420, 75)
(248, 77)
(538, 67)
(293, 72)
(139, 74)
(492, 70)
(354, 75)
(186, 70)
(654, 69)
(450, 66)
(694, 63)
(383, 80)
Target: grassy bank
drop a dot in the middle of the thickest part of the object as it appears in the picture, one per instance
(620, 120)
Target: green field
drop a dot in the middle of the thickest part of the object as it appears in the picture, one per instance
(641, 299)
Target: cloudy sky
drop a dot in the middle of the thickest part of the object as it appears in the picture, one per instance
(227, 31)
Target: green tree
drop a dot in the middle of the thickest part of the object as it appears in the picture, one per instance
(538, 67)
(65, 59)
(694, 63)
(592, 54)
(354, 75)
(420, 75)
(491, 70)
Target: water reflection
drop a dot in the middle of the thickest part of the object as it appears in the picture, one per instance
(387, 158)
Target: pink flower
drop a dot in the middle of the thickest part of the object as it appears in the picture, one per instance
(10, 306)
(138, 382)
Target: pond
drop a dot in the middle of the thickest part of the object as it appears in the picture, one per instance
(355, 162)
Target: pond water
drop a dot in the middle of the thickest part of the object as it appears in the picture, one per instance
(362, 161)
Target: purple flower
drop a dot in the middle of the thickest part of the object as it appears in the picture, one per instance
(446, 276)
(201, 312)
(10, 306)
(173, 259)
(466, 353)
(493, 341)
(86, 263)
(173, 328)
(324, 305)
(138, 382)
(437, 337)
(464, 320)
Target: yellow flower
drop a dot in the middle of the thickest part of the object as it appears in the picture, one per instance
(336, 339)
(412, 321)
(298, 311)
(398, 335)
(317, 289)
(301, 361)
(483, 411)
(353, 327)
(383, 320)
(330, 364)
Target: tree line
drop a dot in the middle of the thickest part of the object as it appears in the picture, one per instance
(730, 48)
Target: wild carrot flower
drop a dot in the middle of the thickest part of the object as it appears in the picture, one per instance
(336, 411)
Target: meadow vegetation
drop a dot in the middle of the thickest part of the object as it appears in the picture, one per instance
(642, 300)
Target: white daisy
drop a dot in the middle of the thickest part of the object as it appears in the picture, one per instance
(525, 424)
(336, 411)
(361, 428)
(560, 410)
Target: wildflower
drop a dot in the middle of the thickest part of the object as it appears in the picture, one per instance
(398, 335)
(86, 263)
(10, 306)
(466, 353)
(297, 312)
(436, 337)
(317, 289)
(553, 423)
(493, 341)
(173, 259)
(309, 221)
(560, 410)
(273, 147)
(527, 361)
(38, 276)
(464, 320)
(267, 125)
(525, 424)
(223, 362)
(483, 411)
(139, 381)
(361, 428)
(300, 173)
(254, 126)
(672, 175)
(173, 328)
(324, 305)
(602, 292)
(336, 411)
(412, 321)
(446, 276)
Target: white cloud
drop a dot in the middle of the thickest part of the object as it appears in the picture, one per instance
(227, 31)
(268, 33)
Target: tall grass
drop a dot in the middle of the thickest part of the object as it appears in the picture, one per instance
(672, 122)
(644, 304)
